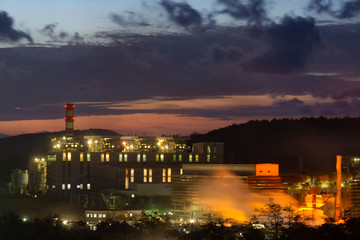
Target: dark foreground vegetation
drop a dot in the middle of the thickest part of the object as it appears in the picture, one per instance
(272, 222)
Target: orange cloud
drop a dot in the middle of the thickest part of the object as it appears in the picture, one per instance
(139, 123)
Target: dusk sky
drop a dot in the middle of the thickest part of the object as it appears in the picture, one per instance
(175, 67)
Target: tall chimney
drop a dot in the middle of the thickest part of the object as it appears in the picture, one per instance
(338, 188)
(69, 119)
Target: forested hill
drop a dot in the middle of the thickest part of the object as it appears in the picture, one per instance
(16, 150)
(313, 141)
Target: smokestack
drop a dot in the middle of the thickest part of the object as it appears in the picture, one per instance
(69, 119)
(338, 188)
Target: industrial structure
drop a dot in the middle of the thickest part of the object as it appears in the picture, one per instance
(348, 186)
(119, 175)
(77, 166)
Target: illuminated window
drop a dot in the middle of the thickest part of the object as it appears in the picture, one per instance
(145, 175)
(208, 149)
(88, 186)
(120, 157)
(95, 215)
(125, 157)
(69, 156)
(81, 186)
(197, 158)
(138, 157)
(190, 157)
(63, 186)
(174, 157)
(107, 157)
(132, 174)
(169, 174)
(88, 158)
(215, 149)
(81, 157)
(208, 158)
(150, 175)
(164, 175)
(126, 178)
(157, 157)
(161, 157)
(69, 186)
(64, 156)
(180, 157)
(104, 215)
(144, 157)
(102, 157)
(181, 171)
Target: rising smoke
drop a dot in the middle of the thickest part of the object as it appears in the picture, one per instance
(232, 198)
(7, 33)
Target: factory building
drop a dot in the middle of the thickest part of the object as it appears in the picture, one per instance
(348, 187)
(78, 165)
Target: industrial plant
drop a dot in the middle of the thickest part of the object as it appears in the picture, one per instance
(124, 177)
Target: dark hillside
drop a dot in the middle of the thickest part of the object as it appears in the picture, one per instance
(313, 141)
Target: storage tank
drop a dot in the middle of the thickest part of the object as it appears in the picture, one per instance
(19, 180)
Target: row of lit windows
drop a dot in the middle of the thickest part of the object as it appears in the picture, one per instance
(94, 215)
(148, 175)
(124, 157)
(79, 186)
(67, 156)
(166, 175)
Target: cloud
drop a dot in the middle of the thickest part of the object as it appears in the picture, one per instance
(143, 67)
(321, 6)
(182, 13)
(8, 33)
(348, 9)
(128, 19)
(221, 55)
(50, 31)
(291, 42)
(254, 11)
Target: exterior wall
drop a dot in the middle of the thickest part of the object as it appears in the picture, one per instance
(267, 169)
(209, 151)
(67, 174)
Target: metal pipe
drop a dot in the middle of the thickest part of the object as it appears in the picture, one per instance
(338, 188)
